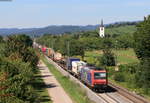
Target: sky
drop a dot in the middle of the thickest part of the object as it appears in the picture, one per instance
(41, 13)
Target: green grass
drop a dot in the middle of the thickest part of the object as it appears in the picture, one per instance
(74, 90)
(39, 85)
(123, 56)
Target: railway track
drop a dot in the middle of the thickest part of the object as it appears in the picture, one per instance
(129, 95)
(119, 96)
(107, 98)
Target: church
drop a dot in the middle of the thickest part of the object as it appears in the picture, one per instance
(102, 30)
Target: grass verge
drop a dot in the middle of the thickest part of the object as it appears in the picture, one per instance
(75, 92)
(39, 85)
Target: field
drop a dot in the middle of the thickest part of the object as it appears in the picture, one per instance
(126, 56)
(122, 56)
(126, 29)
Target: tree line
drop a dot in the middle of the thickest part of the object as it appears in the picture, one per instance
(18, 64)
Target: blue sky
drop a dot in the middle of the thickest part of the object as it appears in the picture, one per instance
(40, 13)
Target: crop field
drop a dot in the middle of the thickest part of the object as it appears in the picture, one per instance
(123, 56)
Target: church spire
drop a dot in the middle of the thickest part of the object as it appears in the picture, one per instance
(102, 30)
(102, 25)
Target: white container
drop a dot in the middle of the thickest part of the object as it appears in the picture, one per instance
(81, 64)
(76, 66)
(57, 56)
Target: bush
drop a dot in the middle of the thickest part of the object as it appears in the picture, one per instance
(130, 68)
(111, 71)
(143, 74)
(119, 77)
(108, 58)
(19, 75)
(18, 64)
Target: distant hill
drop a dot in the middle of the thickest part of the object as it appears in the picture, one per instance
(48, 30)
(114, 28)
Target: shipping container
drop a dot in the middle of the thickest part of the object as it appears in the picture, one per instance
(44, 50)
(50, 52)
(57, 56)
(76, 66)
(69, 63)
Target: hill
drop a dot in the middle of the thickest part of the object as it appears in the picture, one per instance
(47, 30)
(115, 28)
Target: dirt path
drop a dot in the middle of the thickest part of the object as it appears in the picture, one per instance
(55, 91)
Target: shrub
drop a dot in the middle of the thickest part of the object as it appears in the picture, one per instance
(131, 68)
(119, 77)
(108, 58)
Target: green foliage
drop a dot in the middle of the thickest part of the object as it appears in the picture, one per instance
(124, 41)
(77, 48)
(115, 31)
(1, 39)
(119, 77)
(142, 41)
(143, 73)
(108, 58)
(30, 56)
(91, 39)
(130, 68)
(19, 76)
(18, 62)
(22, 39)
(20, 47)
(142, 49)
(17, 43)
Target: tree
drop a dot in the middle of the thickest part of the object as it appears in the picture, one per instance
(1, 39)
(17, 43)
(108, 57)
(20, 47)
(19, 63)
(18, 83)
(124, 41)
(77, 48)
(142, 49)
(142, 39)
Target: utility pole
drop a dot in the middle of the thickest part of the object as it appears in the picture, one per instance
(52, 44)
(68, 48)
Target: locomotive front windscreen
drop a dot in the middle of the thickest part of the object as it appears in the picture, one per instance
(100, 75)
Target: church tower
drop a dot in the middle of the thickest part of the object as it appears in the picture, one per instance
(102, 30)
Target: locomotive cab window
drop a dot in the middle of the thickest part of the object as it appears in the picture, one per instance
(99, 75)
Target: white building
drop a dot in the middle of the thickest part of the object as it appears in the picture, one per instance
(146, 17)
(102, 30)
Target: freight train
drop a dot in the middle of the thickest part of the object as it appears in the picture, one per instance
(92, 76)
